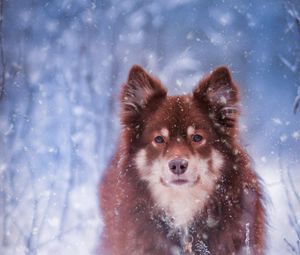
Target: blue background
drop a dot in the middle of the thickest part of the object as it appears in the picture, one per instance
(64, 62)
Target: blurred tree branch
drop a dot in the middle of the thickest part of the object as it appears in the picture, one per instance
(2, 58)
(293, 203)
(294, 67)
(297, 101)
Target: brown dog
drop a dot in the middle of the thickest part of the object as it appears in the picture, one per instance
(180, 182)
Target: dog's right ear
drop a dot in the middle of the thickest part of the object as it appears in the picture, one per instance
(219, 92)
(139, 92)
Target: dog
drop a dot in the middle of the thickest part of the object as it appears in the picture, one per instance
(180, 182)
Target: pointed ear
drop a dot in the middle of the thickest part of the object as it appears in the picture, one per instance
(139, 92)
(221, 95)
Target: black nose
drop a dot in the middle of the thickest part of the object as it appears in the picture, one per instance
(178, 165)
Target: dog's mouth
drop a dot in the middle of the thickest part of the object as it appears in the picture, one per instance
(179, 182)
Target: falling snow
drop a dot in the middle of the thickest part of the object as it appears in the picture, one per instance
(64, 64)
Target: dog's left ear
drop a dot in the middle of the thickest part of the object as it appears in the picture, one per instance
(140, 91)
(221, 95)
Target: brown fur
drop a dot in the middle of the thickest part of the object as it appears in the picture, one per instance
(232, 220)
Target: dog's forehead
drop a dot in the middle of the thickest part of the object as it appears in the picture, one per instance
(177, 114)
(178, 109)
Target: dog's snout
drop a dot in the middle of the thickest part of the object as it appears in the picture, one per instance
(178, 165)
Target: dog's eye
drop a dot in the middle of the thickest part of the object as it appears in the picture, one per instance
(159, 139)
(197, 138)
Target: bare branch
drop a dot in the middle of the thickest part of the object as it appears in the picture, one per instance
(297, 20)
(297, 102)
(293, 188)
(72, 165)
(293, 67)
(292, 247)
(2, 59)
(45, 214)
(291, 194)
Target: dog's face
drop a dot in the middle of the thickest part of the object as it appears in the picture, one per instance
(174, 138)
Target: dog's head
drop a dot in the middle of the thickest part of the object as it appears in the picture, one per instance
(177, 141)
